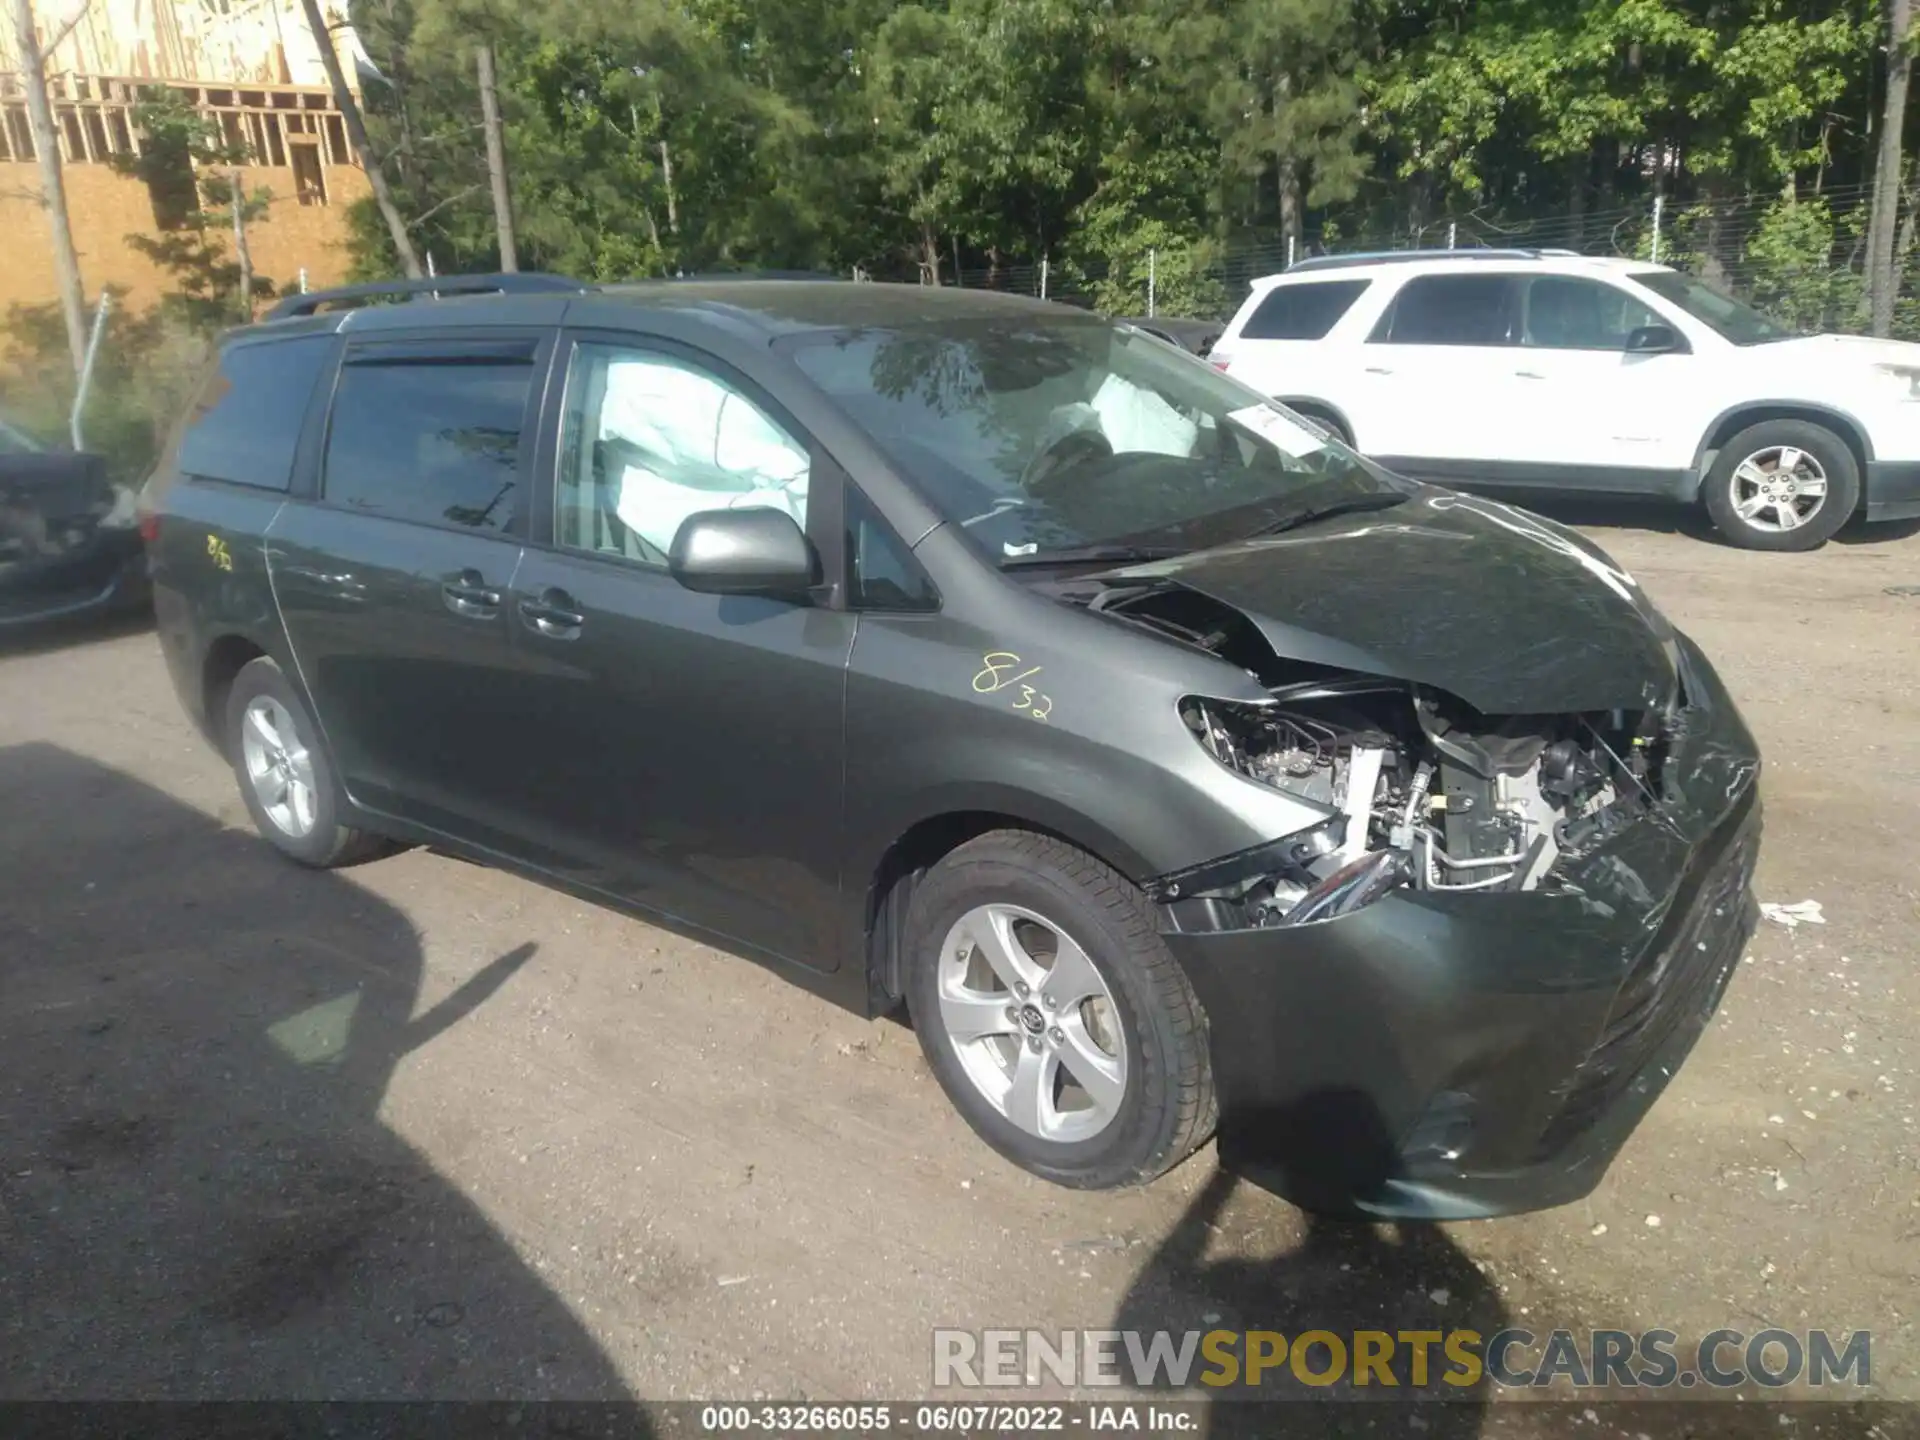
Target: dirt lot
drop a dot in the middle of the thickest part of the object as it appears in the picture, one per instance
(422, 1129)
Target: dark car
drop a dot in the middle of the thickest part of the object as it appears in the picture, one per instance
(1176, 768)
(68, 546)
(1193, 336)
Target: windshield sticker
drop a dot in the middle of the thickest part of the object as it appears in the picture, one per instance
(1288, 436)
(997, 674)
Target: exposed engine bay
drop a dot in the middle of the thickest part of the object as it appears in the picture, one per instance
(1417, 788)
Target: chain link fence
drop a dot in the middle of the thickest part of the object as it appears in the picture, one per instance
(1799, 256)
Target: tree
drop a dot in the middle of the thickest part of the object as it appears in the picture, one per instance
(53, 189)
(496, 158)
(1284, 101)
(981, 121)
(976, 139)
(357, 134)
(195, 174)
(1882, 278)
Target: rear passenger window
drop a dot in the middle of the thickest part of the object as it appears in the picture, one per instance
(1302, 312)
(1453, 310)
(431, 440)
(246, 421)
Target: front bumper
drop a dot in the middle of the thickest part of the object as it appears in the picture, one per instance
(1447, 1057)
(1893, 489)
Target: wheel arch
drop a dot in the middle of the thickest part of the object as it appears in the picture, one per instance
(1735, 418)
(227, 655)
(938, 832)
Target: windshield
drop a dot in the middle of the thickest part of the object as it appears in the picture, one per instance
(1048, 435)
(1732, 319)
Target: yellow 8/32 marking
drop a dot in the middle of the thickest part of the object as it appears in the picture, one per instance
(217, 549)
(999, 670)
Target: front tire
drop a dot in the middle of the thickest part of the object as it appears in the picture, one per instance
(1053, 1015)
(1782, 485)
(284, 774)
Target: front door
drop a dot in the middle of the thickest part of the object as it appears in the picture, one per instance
(393, 578)
(683, 751)
(1436, 385)
(1594, 415)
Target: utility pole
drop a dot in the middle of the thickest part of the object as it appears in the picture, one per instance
(53, 190)
(496, 158)
(1883, 281)
(242, 252)
(357, 133)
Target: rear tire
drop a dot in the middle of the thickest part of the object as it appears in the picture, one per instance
(284, 774)
(1105, 1000)
(1783, 485)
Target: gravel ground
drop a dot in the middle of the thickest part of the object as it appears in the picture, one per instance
(424, 1129)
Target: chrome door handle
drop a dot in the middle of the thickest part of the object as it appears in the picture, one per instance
(553, 613)
(1378, 370)
(469, 594)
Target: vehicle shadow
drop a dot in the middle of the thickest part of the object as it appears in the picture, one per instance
(199, 1199)
(1342, 1277)
(1622, 514)
(1689, 520)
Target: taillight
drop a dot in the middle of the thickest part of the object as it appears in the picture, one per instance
(1218, 364)
(149, 527)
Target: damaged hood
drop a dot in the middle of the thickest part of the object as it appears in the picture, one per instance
(1509, 612)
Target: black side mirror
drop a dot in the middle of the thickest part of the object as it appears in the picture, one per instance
(1654, 340)
(753, 551)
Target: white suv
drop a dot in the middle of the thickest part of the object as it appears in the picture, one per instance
(1520, 370)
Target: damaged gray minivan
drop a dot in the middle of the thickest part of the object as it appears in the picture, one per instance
(1178, 769)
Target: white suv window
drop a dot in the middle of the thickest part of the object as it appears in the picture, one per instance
(1452, 310)
(1303, 311)
(1565, 312)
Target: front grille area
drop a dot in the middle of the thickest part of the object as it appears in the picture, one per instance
(1674, 978)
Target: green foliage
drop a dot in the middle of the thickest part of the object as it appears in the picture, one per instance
(148, 366)
(191, 171)
(991, 134)
(1794, 271)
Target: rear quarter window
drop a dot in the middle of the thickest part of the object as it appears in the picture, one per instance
(1302, 312)
(245, 423)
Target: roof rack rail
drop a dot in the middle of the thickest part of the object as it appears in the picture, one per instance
(1400, 257)
(520, 283)
(709, 276)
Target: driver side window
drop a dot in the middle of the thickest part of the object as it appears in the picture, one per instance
(649, 439)
(1568, 313)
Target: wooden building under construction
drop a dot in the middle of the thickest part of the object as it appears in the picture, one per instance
(251, 65)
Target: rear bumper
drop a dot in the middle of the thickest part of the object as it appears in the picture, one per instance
(1893, 489)
(1458, 1056)
(107, 576)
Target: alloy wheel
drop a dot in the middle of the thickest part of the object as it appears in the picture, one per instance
(1779, 489)
(278, 766)
(1033, 1022)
